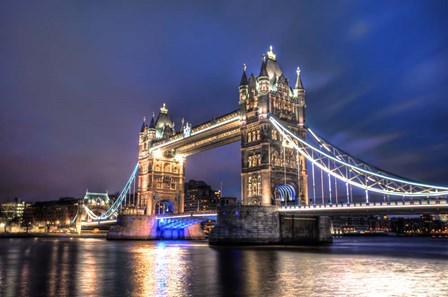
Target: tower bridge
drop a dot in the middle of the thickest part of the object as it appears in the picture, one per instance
(286, 169)
(270, 171)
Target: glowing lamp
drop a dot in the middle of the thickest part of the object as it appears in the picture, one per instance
(179, 157)
(158, 154)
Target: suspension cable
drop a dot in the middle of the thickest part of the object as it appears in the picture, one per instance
(398, 191)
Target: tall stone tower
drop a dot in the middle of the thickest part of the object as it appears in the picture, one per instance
(272, 171)
(161, 175)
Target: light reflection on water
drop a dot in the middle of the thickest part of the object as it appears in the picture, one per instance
(96, 267)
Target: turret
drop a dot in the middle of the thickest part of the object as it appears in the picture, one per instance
(263, 78)
(152, 129)
(164, 126)
(298, 86)
(143, 125)
(143, 140)
(244, 86)
(299, 95)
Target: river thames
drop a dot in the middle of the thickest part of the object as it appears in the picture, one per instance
(349, 267)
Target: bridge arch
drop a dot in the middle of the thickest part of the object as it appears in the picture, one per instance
(164, 206)
(285, 193)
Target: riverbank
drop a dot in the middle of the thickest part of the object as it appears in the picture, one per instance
(52, 235)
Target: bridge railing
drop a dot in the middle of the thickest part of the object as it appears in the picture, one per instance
(187, 214)
(372, 204)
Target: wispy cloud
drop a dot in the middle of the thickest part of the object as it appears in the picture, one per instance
(393, 110)
(363, 145)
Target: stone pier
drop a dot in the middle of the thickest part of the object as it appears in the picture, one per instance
(266, 225)
(134, 227)
(141, 227)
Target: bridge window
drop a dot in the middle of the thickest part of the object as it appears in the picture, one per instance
(275, 160)
(253, 135)
(254, 160)
(167, 167)
(176, 169)
(254, 185)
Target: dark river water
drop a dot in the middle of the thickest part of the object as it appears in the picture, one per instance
(96, 267)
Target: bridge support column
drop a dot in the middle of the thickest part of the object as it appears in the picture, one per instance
(305, 230)
(239, 225)
(134, 227)
(194, 232)
(266, 188)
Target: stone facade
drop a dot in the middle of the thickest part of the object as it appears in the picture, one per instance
(272, 171)
(309, 230)
(246, 225)
(161, 174)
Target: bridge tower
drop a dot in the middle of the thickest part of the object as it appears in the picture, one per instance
(272, 172)
(161, 176)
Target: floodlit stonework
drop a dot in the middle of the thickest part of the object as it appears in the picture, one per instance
(273, 173)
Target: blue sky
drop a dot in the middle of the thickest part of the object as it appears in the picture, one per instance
(77, 77)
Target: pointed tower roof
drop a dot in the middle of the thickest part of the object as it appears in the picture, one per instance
(263, 70)
(244, 77)
(299, 84)
(272, 67)
(252, 81)
(152, 124)
(163, 119)
(143, 125)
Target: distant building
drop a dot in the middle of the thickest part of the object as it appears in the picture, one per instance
(359, 224)
(199, 196)
(13, 210)
(424, 225)
(99, 199)
(228, 201)
(59, 212)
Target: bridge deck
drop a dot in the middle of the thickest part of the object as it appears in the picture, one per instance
(378, 208)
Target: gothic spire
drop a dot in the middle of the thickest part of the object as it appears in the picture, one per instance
(152, 125)
(299, 84)
(263, 70)
(143, 125)
(244, 77)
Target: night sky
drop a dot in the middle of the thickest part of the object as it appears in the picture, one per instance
(77, 77)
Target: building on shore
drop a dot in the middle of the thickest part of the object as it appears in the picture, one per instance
(200, 196)
(423, 225)
(12, 211)
(52, 214)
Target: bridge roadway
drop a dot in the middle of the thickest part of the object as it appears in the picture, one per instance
(355, 209)
(375, 208)
(440, 206)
